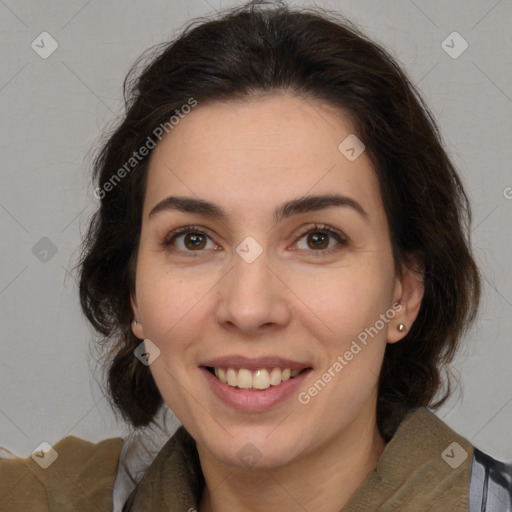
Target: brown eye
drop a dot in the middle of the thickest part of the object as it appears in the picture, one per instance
(322, 240)
(194, 241)
(187, 240)
(318, 240)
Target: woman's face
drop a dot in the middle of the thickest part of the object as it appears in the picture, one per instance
(260, 286)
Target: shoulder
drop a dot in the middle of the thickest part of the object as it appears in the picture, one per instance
(490, 480)
(72, 474)
(461, 477)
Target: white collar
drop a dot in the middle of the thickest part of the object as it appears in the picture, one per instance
(139, 449)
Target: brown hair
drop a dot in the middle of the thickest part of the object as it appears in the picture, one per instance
(262, 48)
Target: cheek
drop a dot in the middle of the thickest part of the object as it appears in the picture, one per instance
(344, 301)
(170, 299)
(172, 307)
(352, 347)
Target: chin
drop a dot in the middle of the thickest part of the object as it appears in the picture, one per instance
(255, 451)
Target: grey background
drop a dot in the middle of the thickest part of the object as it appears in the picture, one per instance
(53, 111)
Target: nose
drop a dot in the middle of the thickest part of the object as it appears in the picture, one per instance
(252, 297)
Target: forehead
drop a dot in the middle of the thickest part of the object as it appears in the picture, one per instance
(260, 152)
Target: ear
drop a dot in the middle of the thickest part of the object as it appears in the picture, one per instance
(137, 327)
(408, 292)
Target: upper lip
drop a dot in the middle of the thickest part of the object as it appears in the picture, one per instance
(237, 361)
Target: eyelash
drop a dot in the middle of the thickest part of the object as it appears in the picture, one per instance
(315, 228)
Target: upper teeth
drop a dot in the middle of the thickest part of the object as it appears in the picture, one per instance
(260, 379)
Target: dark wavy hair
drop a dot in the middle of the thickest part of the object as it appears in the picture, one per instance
(261, 48)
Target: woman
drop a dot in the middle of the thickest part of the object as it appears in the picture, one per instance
(281, 258)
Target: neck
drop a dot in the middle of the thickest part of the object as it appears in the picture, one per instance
(323, 481)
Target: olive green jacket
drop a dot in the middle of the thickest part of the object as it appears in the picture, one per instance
(425, 467)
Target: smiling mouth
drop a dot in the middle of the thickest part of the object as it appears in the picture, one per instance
(254, 380)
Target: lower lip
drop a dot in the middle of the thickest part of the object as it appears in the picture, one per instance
(247, 400)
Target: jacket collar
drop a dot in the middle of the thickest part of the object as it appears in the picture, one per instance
(425, 466)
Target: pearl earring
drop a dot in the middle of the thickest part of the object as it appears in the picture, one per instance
(401, 327)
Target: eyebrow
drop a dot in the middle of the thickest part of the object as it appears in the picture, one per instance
(304, 204)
